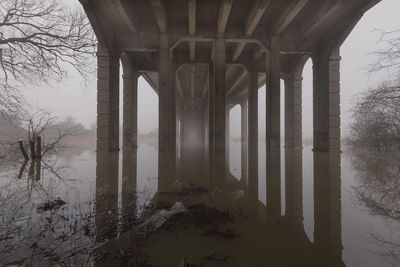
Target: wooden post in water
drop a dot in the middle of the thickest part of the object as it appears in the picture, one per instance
(23, 151)
(38, 147)
(32, 148)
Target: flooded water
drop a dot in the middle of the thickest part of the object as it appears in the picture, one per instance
(326, 210)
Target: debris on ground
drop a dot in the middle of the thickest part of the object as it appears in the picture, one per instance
(183, 191)
(226, 232)
(161, 216)
(217, 257)
(199, 216)
(50, 205)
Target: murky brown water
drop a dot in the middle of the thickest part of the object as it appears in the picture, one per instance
(330, 210)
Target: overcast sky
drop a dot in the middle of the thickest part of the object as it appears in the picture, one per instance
(75, 98)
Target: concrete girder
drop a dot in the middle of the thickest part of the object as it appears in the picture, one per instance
(288, 15)
(179, 84)
(223, 16)
(206, 85)
(160, 14)
(116, 20)
(320, 18)
(152, 79)
(239, 80)
(256, 12)
(192, 81)
(103, 37)
(126, 13)
(192, 27)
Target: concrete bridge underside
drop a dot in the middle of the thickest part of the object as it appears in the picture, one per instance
(202, 57)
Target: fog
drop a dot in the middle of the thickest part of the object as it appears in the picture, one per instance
(77, 98)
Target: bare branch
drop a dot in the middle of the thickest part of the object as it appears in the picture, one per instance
(38, 39)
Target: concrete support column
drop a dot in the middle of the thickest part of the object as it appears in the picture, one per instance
(167, 113)
(273, 95)
(180, 141)
(203, 117)
(293, 110)
(130, 109)
(244, 141)
(227, 137)
(253, 138)
(219, 112)
(211, 111)
(273, 126)
(107, 100)
(326, 69)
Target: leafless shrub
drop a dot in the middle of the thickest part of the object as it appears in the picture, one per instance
(379, 193)
(376, 115)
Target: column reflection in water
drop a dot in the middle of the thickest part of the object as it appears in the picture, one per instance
(106, 195)
(261, 240)
(111, 224)
(327, 208)
(294, 187)
(273, 183)
(129, 185)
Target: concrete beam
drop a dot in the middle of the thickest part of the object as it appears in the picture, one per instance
(321, 18)
(240, 91)
(192, 27)
(152, 82)
(103, 37)
(206, 85)
(139, 41)
(288, 15)
(160, 14)
(237, 81)
(126, 14)
(192, 16)
(179, 85)
(257, 11)
(253, 18)
(224, 11)
(192, 50)
(238, 51)
(192, 76)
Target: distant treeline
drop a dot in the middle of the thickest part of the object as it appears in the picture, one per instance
(13, 129)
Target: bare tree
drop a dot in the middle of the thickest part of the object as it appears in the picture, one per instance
(52, 135)
(38, 39)
(377, 117)
(377, 111)
(388, 53)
